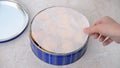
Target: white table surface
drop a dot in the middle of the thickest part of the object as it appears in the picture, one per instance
(18, 53)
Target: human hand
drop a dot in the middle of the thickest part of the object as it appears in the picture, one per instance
(106, 29)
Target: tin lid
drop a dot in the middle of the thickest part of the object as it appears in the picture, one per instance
(59, 30)
(13, 20)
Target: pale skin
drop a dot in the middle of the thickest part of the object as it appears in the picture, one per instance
(106, 30)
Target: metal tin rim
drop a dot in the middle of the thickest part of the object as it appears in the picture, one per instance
(53, 53)
(26, 14)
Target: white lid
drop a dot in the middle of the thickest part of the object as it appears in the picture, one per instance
(13, 20)
(59, 30)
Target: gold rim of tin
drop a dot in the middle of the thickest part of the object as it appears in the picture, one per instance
(49, 52)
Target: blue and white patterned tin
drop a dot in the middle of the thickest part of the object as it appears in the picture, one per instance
(57, 59)
(49, 56)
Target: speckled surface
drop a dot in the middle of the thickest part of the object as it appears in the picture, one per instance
(18, 54)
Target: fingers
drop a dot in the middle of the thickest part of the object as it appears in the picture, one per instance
(108, 41)
(97, 27)
(91, 30)
(95, 35)
(102, 38)
(100, 30)
(105, 40)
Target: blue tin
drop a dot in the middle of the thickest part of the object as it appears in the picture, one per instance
(51, 57)
(57, 59)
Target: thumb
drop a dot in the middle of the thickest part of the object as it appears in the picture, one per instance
(91, 30)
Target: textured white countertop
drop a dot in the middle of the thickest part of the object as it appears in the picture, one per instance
(18, 53)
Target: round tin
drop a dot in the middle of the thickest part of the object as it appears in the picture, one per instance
(65, 19)
(13, 20)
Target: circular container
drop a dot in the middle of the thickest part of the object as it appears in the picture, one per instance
(13, 20)
(57, 35)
